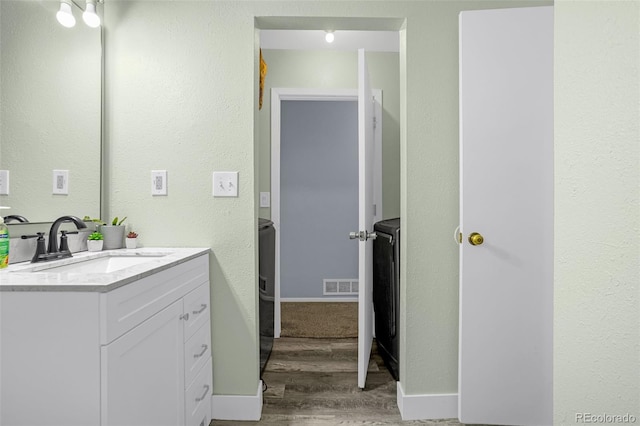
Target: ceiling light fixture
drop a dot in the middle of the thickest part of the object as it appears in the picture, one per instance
(65, 15)
(329, 36)
(90, 17)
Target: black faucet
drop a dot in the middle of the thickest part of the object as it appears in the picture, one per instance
(15, 217)
(53, 232)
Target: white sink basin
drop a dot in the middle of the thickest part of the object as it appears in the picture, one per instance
(101, 265)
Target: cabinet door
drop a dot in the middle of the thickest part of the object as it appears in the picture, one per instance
(143, 373)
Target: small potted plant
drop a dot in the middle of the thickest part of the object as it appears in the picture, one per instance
(93, 224)
(113, 234)
(95, 241)
(131, 241)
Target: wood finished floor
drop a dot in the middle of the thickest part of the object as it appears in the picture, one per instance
(314, 382)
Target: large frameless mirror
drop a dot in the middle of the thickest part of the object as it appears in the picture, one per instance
(50, 116)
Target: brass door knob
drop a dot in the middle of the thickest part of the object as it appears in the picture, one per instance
(475, 239)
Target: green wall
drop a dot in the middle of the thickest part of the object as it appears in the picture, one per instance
(181, 94)
(597, 202)
(326, 69)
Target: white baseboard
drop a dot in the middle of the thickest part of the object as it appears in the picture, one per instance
(427, 406)
(318, 299)
(237, 407)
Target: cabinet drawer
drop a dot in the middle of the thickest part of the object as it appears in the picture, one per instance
(125, 307)
(198, 398)
(196, 305)
(197, 350)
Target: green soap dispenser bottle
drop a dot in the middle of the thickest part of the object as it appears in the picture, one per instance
(4, 244)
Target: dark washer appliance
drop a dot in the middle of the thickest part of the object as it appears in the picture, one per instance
(266, 283)
(386, 291)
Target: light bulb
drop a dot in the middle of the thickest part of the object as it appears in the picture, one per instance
(65, 16)
(329, 37)
(90, 17)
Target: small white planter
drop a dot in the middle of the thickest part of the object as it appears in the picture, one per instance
(94, 245)
(131, 243)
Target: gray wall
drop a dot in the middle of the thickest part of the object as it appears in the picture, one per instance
(319, 194)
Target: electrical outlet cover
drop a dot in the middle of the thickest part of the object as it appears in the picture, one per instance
(158, 182)
(60, 182)
(265, 199)
(4, 182)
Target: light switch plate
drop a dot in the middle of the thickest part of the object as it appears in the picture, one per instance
(4, 182)
(265, 199)
(61, 182)
(158, 182)
(225, 184)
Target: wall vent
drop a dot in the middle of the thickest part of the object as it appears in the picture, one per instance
(342, 287)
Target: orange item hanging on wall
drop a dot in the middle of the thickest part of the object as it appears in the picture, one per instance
(263, 74)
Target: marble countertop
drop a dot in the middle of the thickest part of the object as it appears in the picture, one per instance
(35, 277)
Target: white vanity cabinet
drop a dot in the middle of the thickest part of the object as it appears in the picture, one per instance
(137, 355)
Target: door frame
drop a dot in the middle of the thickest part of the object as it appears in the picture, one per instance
(299, 94)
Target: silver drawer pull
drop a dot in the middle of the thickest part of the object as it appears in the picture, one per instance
(203, 307)
(204, 395)
(185, 316)
(204, 349)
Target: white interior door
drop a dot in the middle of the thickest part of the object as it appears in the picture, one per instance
(506, 281)
(278, 95)
(365, 218)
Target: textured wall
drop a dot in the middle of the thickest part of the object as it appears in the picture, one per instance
(50, 111)
(597, 199)
(182, 96)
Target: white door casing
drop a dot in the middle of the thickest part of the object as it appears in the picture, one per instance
(506, 195)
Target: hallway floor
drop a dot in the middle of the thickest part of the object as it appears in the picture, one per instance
(314, 382)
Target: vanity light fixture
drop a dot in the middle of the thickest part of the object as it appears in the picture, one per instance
(90, 17)
(329, 36)
(64, 15)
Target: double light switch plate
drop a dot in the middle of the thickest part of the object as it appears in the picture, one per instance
(225, 184)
